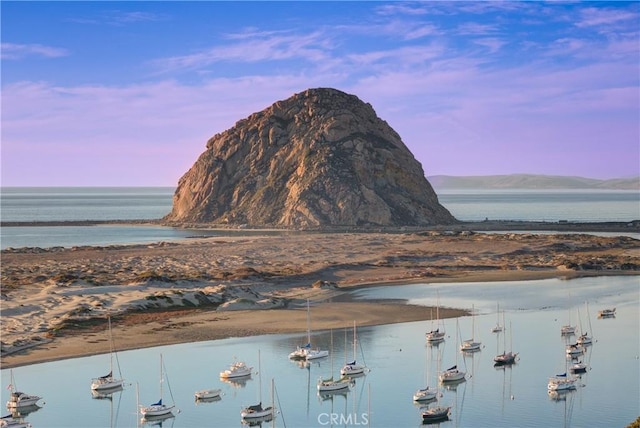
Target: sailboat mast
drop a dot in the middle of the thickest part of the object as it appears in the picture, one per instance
(110, 346)
(160, 376)
(259, 379)
(308, 323)
(354, 340)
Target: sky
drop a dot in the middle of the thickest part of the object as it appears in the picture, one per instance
(127, 93)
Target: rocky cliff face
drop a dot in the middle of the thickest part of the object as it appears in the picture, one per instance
(319, 158)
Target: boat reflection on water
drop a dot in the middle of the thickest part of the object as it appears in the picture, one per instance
(20, 412)
(257, 421)
(453, 384)
(330, 395)
(560, 395)
(237, 382)
(157, 420)
(105, 393)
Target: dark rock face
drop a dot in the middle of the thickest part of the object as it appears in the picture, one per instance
(320, 158)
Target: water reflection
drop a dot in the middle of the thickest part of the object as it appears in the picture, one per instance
(237, 382)
(23, 411)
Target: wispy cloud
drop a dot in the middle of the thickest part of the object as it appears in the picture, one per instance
(591, 16)
(312, 47)
(19, 51)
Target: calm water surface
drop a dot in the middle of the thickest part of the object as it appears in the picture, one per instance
(398, 358)
(150, 203)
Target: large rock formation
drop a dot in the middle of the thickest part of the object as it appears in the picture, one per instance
(320, 158)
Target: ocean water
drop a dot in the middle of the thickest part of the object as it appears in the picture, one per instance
(542, 205)
(399, 360)
(117, 203)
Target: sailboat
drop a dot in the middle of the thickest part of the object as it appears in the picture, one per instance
(498, 328)
(428, 393)
(436, 413)
(506, 358)
(584, 338)
(256, 412)
(306, 352)
(352, 368)
(452, 374)
(561, 382)
(8, 421)
(330, 385)
(19, 399)
(471, 345)
(436, 336)
(159, 409)
(568, 329)
(108, 381)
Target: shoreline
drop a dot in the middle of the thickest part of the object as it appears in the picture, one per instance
(238, 286)
(631, 226)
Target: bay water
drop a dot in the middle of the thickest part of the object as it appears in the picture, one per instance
(399, 360)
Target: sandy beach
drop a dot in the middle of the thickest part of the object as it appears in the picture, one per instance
(55, 302)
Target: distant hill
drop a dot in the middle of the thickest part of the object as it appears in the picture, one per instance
(530, 181)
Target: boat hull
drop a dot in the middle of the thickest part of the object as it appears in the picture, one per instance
(156, 411)
(561, 384)
(424, 395)
(451, 376)
(206, 394)
(315, 354)
(435, 414)
(100, 385)
(352, 370)
(505, 359)
(23, 400)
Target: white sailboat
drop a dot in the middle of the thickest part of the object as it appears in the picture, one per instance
(108, 382)
(506, 358)
(352, 368)
(19, 399)
(584, 339)
(158, 410)
(306, 352)
(437, 335)
(452, 374)
(330, 384)
(427, 393)
(498, 327)
(568, 329)
(471, 345)
(257, 413)
(561, 382)
(436, 413)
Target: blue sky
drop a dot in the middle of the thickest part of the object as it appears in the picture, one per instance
(127, 93)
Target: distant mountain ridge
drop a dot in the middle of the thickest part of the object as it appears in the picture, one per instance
(530, 181)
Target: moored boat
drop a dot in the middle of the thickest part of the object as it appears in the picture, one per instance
(561, 382)
(607, 313)
(207, 394)
(237, 369)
